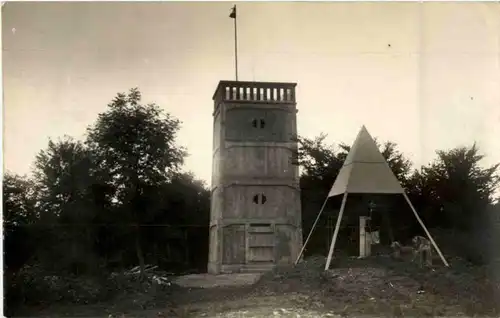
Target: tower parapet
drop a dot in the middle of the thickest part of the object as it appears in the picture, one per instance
(255, 92)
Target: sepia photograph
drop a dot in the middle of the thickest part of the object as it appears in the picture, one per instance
(250, 159)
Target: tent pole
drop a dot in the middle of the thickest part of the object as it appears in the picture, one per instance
(311, 231)
(336, 233)
(425, 229)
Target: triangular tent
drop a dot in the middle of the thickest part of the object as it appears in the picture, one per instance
(365, 170)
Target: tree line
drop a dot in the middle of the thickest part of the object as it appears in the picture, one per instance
(120, 197)
(117, 199)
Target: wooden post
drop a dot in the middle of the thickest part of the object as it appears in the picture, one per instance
(247, 243)
(364, 238)
(425, 229)
(336, 233)
(310, 232)
(327, 231)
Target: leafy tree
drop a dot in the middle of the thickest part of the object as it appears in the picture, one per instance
(135, 145)
(459, 189)
(188, 194)
(317, 159)
(18, 200)
(65, 173)
(454, 192)
(180, 227)
(18, 215)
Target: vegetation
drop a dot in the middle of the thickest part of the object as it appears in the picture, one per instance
(120, 198)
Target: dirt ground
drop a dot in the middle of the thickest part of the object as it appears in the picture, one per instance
(352, 288)
(223, 280)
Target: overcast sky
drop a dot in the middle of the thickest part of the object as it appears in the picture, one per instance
(427, 86)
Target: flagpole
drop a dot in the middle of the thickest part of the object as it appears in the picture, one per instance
(420, 81)
(236, 47)
(234, 16)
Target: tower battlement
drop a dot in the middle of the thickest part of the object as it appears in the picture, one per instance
(255, 92)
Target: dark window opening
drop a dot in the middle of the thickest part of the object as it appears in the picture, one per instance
(259, 199)
(258, 123)
(256, 199)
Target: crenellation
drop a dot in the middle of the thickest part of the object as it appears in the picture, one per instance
(256, 92)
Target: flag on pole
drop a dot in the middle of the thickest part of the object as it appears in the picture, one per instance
(233, 12)
(232, 15)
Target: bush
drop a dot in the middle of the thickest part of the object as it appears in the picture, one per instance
(474, 247)
(32, 285)
(21, 288)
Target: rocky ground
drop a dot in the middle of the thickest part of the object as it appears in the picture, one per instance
(352, 288)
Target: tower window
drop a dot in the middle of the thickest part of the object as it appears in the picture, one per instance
(256, 199)
(259, 198)
(258, 123)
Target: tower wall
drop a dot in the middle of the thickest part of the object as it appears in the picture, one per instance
(255, 207)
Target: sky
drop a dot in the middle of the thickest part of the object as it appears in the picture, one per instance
(424, 76)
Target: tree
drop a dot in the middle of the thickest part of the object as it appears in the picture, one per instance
(458, 187)
(455, 193)
(180, 227)
(18, 215)
(18, 200)
(317, 159)
(190, 195)
(65, 175)
(64, 172)
(135, 145)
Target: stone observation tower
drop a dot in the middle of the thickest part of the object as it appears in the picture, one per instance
(255, 214)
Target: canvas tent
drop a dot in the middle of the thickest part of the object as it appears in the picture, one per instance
(365, 170)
